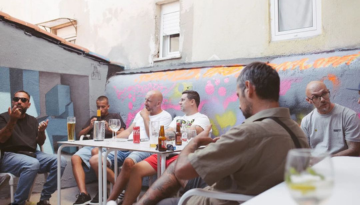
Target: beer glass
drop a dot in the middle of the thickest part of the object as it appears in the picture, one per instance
(154, 132)
(71, 122)
(114, 125)
(309, 176)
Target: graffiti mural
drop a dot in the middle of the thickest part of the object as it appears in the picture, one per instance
(217, 87)
(53, 96)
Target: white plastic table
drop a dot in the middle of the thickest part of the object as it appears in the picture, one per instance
(346, 186)
(113, 145)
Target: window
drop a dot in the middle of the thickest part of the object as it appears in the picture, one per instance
(295, 19)
(170, 30)
(65, 28)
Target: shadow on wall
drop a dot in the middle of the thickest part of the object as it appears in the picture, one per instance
(51, 98)
(217, 87)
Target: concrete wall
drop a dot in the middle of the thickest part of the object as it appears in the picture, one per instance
(217, 87)
(38, 66)
(127, 31)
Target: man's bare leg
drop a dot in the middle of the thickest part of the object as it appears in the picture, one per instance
(139, 171)
(79, 173)
(166, 186)
(122, 180)
(95, 166)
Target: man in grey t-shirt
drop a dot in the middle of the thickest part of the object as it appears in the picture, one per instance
(330, 127)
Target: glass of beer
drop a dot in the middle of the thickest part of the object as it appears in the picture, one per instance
(71, 121)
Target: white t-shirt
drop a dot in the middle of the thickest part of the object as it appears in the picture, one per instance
(329, 132)
(191, 120)
(164, 118)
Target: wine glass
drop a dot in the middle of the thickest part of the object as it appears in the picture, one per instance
(114, 125)
(309, 176)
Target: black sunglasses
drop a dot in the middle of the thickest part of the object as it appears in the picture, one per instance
(16, 99)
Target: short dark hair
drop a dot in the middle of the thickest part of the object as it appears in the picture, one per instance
(265, 79)
(23, 91)
(193, 95)
(103, 97)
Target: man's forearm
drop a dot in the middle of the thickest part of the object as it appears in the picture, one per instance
(183, 168)
(41, 138)
(347, 152)
(6, 132)
(124, 134)
(84, 131)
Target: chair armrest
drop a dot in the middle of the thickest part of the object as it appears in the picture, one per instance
(81, 137)
(214, 194)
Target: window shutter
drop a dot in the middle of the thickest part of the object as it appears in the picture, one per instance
(170, 17)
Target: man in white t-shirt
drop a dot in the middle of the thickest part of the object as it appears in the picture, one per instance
(152, 111)
(330, 127)
(192, 119)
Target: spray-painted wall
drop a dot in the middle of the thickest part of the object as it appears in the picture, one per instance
(217, 87)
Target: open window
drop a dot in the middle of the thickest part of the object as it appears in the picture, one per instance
(170, 30)
(295, 19)
(62, 27)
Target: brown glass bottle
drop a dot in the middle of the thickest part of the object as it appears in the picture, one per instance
(178, 135)
(162, 139)
(98, 115)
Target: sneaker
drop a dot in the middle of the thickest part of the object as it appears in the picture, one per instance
(120, 198)
(43, 202)
(95, 200)
(82, 199)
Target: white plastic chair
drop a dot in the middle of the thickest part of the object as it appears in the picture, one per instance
(214, 194)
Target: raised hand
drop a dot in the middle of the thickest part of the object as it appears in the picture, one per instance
(203, 138)
(43, 125)
(144, 113)
(92, 122)
(14, 113)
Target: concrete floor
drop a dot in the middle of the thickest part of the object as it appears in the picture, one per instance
(68, 195)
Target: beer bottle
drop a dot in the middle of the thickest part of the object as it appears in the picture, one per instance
(178, 136)
(98, 115)
(162, 139)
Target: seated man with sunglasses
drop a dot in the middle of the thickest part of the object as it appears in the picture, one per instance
(330, 127)
(20, 134)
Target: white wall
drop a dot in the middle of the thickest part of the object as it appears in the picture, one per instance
(124, 30)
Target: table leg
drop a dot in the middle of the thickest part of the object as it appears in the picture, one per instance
(105, 174)
(158, 165)
(116, 169)
(100, 175)
(59, 173)
(161, 160)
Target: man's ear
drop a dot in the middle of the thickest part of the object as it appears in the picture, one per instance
(308, 100)
(249, 89)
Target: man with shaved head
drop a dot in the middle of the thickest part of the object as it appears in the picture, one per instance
(152, 111)
(330, 127)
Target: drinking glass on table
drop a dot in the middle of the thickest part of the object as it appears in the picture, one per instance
(191, 133)
(170, 137)
(309, 176)
(71, 122)
(114, 125)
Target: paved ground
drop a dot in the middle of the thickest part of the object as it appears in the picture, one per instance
(68, 195)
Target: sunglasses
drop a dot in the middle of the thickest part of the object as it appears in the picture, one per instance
(16, 99)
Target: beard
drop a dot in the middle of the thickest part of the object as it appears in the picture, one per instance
(248, 110)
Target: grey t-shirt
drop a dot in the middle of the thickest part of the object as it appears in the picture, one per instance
(329, 132)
